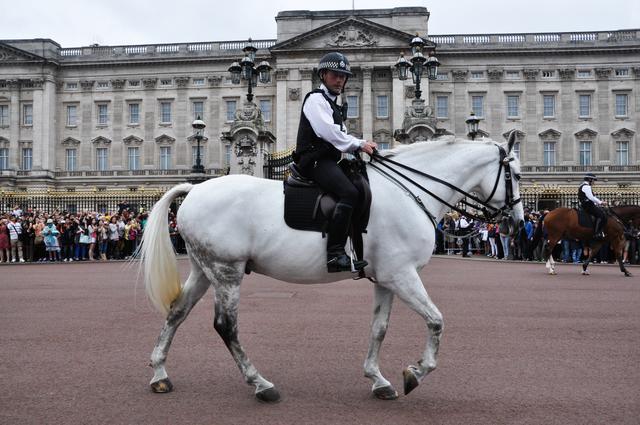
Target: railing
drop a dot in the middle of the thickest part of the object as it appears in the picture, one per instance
(129, 173)
(533, 39)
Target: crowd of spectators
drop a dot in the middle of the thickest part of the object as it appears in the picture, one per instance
(61, 236)
(460, 235)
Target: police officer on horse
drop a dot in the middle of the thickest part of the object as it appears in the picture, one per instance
(322, 138)
(592, 204)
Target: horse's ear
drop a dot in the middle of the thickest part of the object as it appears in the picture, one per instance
(512, 141)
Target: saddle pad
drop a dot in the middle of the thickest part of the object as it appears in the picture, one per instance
(584, 219)
(299, 208)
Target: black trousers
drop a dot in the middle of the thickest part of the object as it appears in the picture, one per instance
(330, 178)
(595, 210)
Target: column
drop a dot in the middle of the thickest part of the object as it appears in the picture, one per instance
(367, 109)
(281, 108)
(397, 101)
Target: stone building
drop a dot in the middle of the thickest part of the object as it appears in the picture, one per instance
(118, 118)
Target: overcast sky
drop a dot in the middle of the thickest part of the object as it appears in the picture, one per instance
(74, 23)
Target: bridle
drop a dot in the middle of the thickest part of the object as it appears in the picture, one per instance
(488, 212)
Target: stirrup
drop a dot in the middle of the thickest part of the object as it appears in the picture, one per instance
(344, 263)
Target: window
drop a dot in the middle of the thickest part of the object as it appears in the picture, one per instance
(584, 73)
(231, 110)
(383, 146)
(103, 84)
(198, 109)
(585, 153)
(102, 159)
(133, 157)
(265, 107)
(72, 115)
(71, 160)
(165, 157)
(442, 106)
(352, 110)
(4, 115)
(549, 154)
(27, 114)
(516, 149)
(165, 112)
(585, 106)
(4, 159)
(382, 111)
(102, 114)
(513, 103)
(72, 86)
(198, 81)
(621, 105)
(477, 105)
(442, 77)
(548, 106)
(227, 155)
(622, 153)
(194, 155)
(548, 74)
(622, 72)
(27, 159)
(513, 75)
(476, 75)
(134, 113)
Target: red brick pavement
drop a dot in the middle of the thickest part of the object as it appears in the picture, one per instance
(519, 347)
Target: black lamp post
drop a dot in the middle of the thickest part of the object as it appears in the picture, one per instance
(198, 125)
(246, 70)
(472, 125)
(418, 65)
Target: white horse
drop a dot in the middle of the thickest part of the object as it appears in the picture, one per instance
(234, 224)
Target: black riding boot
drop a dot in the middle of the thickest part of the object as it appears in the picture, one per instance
(337, 258)
(597, 233)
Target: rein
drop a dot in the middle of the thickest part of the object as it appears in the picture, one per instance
(488, 212)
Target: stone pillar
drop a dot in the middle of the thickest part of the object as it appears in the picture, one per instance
(281, 108)
(397, 100)
(306, 84)
(367, 107)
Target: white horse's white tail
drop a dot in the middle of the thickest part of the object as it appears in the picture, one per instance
(161, 278)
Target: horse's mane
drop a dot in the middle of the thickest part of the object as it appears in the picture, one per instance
(440, 142)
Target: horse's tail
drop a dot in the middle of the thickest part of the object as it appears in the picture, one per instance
(161, 279)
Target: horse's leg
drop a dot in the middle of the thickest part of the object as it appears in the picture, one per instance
(382, 388)
(227, 293)
(593, 250)
(618, 247)
(548, 254)
(410, 289)
(194, 288)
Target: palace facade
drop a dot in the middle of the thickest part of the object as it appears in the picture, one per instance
(117, 119)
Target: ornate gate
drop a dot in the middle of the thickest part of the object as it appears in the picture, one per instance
(276, 165)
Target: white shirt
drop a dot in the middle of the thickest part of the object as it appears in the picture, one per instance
(586, 189)
(320, 116)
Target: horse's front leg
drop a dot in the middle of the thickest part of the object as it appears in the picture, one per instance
(409, 288)
(194, 288)
(382, 388)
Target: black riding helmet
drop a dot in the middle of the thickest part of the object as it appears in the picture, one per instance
(337, 62)
(590, 177)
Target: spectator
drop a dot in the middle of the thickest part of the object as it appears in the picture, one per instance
(15, 238)
(505, 240)
(5, 243)
(50, 234)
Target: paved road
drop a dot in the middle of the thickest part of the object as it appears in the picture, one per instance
(519, 347)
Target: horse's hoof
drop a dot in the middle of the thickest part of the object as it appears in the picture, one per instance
(162, 386)
(586, 273)
(628, 274)
(270, 395)
(410, 381)
(553, 273)
(386, 393)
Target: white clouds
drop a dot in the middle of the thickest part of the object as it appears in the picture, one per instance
(77, 23)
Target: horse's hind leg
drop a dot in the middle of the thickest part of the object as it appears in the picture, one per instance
(409, 288)
(382, 388)
(548, 254)
(227, 279)
(194, 288)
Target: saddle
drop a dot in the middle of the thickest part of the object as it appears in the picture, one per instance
(308, 207)
(587, 220)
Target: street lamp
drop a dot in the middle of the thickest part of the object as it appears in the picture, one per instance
(246, 70)
(418, 64)
(198, 125)
(472, 125)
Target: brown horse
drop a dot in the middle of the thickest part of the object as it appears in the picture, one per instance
(563, 223)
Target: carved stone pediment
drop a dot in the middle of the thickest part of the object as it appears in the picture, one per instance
(165, 140)
(623, 133)
(70, 141)
(132, 140)
(382, 136)
(13, 54)
(87, 84)
(519, 134)
(350, 32)
(118, 84)
(459, 74)
(494, 74)
(566, 73)
(4, 142)
(603, 73)
(149, 83)
(587, 133)
(181, 81)
(192, 139)
(550, 134)
(530, 74)
(214, 80)
(101, 140)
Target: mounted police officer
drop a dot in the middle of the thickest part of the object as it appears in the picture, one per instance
(322, 138)
(592, 205)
